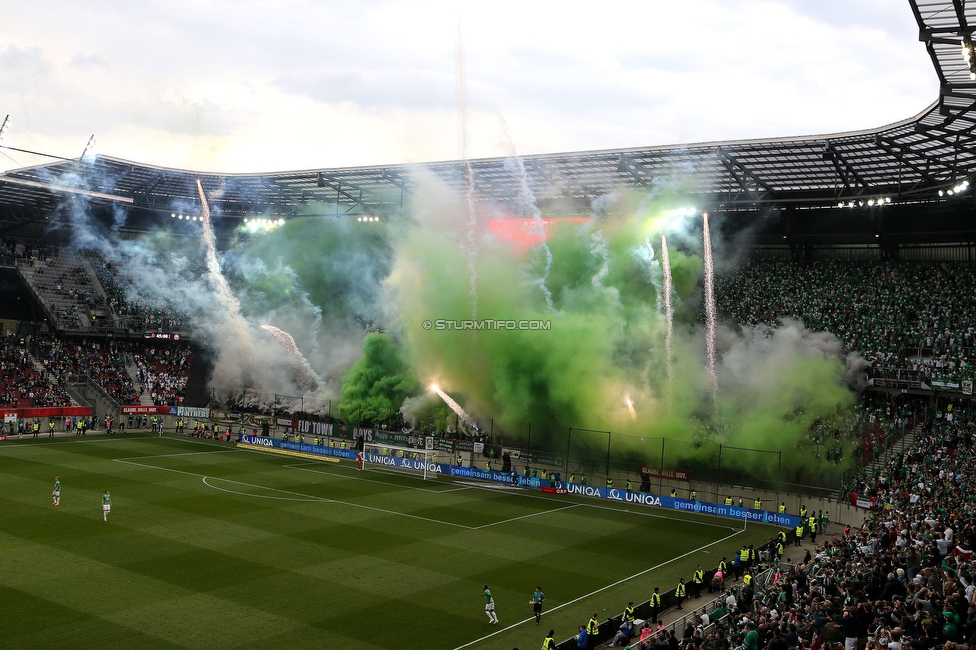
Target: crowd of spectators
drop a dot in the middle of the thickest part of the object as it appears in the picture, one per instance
(21, 385)
(903, 580)
(135, 309)
(919, 317)
(163, 373)
(102, 362)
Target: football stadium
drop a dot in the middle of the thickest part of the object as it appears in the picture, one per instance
(706, 396)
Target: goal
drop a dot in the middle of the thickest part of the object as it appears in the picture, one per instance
(420, 462)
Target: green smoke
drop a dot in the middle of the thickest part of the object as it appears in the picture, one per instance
(603, 340)
(378, 383)
(600, 342)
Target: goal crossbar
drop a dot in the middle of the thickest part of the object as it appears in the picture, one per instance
(419, 461)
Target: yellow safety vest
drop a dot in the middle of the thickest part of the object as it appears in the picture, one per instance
(680, 589)
(728, 501)
(699, 576)
(655, 600)
(593, 627)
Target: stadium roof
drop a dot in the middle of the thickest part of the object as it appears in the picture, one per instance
(909, 161)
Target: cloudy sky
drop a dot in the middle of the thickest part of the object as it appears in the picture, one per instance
(290, 84)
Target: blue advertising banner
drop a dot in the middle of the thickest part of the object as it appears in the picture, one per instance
(407, 463)
(611, 494)
(686, 505)
(496, 476)
(261, 441)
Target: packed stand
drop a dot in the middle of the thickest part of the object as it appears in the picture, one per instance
(21, 385)
(919, 317)
(903, 581)
(103, 363)
(163, 373)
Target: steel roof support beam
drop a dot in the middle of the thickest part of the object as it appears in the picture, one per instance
(731, 165)
(337, 186)
(627, 165)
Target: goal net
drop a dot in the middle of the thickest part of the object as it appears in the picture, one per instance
(419, 462)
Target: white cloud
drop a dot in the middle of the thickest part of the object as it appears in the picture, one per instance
(259, 86)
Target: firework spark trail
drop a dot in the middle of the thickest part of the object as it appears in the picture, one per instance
(231, 305)
(461, 101)
(630, 407)
(305, 375)
(668, 308)
(710, 317)
(527, 206)
(454, 406)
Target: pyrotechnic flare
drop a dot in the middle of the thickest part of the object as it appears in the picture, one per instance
(630, 407)
(710, 317)
(230, 305)
(305, 376)
(454, 406)
(667, 306)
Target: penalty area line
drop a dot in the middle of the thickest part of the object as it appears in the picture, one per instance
(601, 589)
(298, 494)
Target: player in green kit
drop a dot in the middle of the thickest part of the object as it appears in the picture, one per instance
(490, 607)
(56, 495)
(106, 505)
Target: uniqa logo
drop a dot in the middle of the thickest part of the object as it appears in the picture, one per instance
(646, 499)
(585, 490)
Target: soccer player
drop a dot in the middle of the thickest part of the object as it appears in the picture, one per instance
(56, 495)
(537, 599)
(360, 460)
(106, 505)
(490, 606)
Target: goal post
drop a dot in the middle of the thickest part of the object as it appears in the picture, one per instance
(418, 461)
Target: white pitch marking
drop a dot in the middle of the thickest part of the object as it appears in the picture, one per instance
(372, 480)
(609, 586)
(300, 494)
(259, 496)
(531, 514)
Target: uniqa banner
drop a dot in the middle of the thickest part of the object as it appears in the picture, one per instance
(686, 505)
(261, 441)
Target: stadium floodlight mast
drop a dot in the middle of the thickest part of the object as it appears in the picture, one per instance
(4, 127)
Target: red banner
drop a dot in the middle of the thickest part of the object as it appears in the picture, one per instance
(143, 410)
(552, 490)
(525, 233)
(668, 474)
(46, 412)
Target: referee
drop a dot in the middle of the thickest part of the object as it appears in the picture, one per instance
(537, 599)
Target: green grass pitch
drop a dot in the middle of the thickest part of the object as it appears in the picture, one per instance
(212, 547)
